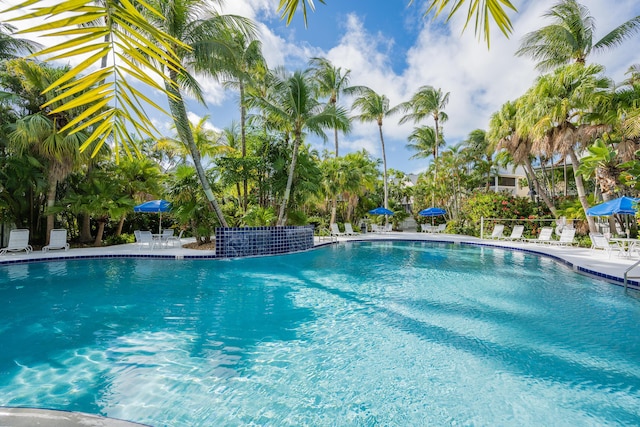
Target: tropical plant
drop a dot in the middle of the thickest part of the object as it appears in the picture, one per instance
(200, 30)
(41, 132)
(237, 62)
(294, 108)
(556, 112)
(373, 108)
(135, 44)
(12, 47)
(570, 36)
(426, 102)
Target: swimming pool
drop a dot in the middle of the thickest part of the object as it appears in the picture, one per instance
(365, 334)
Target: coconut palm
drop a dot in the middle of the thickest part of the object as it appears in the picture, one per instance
(199, 28)
(41, 131)
(236, 62)
(569, 38)
(423, 141)
(294, 108)
(373, 107)
(555, 112)
(12, 47)
(331, 82)
(503, 134)
(426, 102)
(478, 148)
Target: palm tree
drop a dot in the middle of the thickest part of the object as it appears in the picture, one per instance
(199, 29)
(428, 101)
(296, 110)
(137, 48)
(41, 131)
(477, 145)
(423, 142)
(570, 36)
(373, 108)
(555, 113)
(236, 61)
(12, 47)
(504, 135)
(331, 82)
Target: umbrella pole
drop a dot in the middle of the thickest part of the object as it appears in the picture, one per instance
(160, 223)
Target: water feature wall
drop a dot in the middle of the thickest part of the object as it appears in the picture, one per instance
(232, 242)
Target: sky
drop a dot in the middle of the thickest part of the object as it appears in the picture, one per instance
(390, 47)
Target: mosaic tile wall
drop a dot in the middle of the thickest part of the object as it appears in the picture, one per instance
(235, 242)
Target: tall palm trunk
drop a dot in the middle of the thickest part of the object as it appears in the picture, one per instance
(384, 168)
(51, 200)
(334, 197)
(243, 138)
(282, 219)
(176, 104)
(582, 196)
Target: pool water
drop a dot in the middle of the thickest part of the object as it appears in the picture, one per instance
(370, 334)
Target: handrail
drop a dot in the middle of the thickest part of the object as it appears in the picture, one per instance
(627, 272)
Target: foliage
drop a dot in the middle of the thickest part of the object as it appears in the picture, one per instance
(260, 217)
(496, 205)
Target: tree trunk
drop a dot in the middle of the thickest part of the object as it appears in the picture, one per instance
(243, 138)
(384, 176)
(85, 228)
(335, 134)
(538, 188)
(582, 196)
(176, 105)
(100, 233)
(120, 225)
(334, 209)
(51, 200)
(282, 218)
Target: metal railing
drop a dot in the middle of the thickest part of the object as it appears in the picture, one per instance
(626, 275)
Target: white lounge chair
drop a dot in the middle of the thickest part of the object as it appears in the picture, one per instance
(599, 241)
(516, 233)
(544, 236)
(566, 238)
(497, 231)
(335, 231)
(387, 228)
(426, 228)
(145, 238)
(164, 237)
(175, 239)
(440, 228)
(18, 241)
(348, 229)
(57, 240)
(375, 228)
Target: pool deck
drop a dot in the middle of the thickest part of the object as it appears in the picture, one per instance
(583, 260)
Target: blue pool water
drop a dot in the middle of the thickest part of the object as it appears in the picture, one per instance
(371, 334)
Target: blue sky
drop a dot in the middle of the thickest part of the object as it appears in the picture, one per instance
(389, 47)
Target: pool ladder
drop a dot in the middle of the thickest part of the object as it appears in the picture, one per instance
(626, 275)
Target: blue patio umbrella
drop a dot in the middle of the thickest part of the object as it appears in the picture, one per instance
(380, 211)
(432, 212)
(154, 206)
(621, 205)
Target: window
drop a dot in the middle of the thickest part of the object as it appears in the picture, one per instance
(506, 182)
